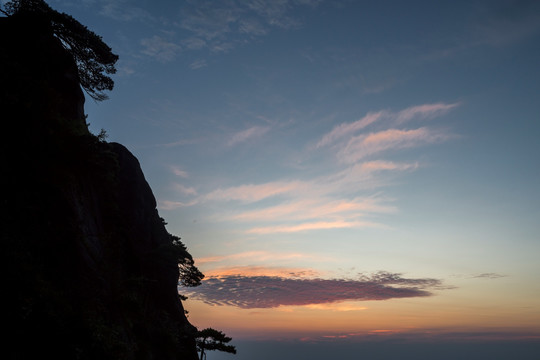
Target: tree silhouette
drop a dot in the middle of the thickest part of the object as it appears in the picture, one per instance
(93, 57)
(189, 274)
(211, 339)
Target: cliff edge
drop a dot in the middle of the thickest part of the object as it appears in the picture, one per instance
(92, 272)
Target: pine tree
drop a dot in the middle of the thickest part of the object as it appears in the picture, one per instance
(94, 59)
(211, 339)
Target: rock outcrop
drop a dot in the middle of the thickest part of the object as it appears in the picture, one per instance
(89, 271)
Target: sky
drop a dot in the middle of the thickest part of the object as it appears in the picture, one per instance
(353, 177)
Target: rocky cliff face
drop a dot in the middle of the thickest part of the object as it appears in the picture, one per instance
(89, 271)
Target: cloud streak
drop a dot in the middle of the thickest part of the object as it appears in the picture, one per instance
(313, 208)
(311, 205)
(344, 129)
(319, 225)
(249, 292)
(257, 256)
(179, 172)
(488, 276)
(171, 205)
(252, 193)
(259, 271)
(120, 10)
(362, 146)
(418, 112)
(220, 26)
(348, 194)
(198, 64)
(159, 48)
(422, 112)
(248, 134)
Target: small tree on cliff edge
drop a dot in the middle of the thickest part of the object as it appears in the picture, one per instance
(94, 58)
(211, 339)
(189, 274)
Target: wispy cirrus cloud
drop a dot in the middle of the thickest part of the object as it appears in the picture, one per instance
(253, 192)
(425, 111)
(275, 13)
(159, 48)
(248, 134)
(347, 196)
(171, 205)
(198, 64)
(362, 146)
(252, 26)
(178, 171)
(215, 26)
(379, 165)
(299, 206)
(345, 129)
(303, 209)
(257, 256)
(220, 26)
(186, 190)
(209, 21)
(250, 292)
(348, 180)
(308, 226)
(122, 10)
(390, 119)
(306, 205)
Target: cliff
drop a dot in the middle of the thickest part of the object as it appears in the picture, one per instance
(91, 271)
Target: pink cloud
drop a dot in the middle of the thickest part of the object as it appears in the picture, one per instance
(330, 200)
(345, 129)
(305, 209)
(185, 189)
(252, 193)
(421, 112)
(379, 165)
(255, 256)
(362, 146)
(312, 205)
(179, 172)
(261, 271)
(320, 225)
(424, 111)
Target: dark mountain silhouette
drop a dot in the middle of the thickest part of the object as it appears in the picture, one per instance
(91, 271)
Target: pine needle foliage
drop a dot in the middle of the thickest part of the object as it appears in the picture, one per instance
(94, 58)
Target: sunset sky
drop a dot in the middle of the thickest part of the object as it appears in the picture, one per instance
(346, 173)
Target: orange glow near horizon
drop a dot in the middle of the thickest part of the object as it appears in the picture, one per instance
(261, 271)
(447, 311)
(361, 318)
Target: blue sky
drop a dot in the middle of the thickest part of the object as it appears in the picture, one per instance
(390, 145)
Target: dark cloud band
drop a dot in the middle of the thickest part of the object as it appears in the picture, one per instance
(272, 291)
